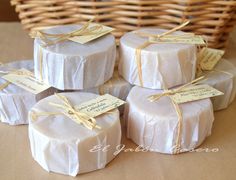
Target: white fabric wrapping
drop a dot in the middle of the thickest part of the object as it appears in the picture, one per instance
(154, 125)
(70, 65)
(163, 65)
(223, 78)
(15, 102)
(116, 86)
(60, 145)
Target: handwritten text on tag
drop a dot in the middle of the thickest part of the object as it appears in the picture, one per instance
(27, 82)
(100, 105)
(87, 38)
(208, 58)
(194, 93)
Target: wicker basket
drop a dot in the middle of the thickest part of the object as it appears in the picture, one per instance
(212, 18)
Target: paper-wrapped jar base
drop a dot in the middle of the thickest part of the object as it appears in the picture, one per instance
(116, 86)
(162, 65)
(223, 78)
(154, 125)
(70, 65)
(16, 102)
(60, 145)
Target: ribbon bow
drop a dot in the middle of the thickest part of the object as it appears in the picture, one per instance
(174, 91)
(159, 38)
(51, 39)
(69, 111)
(169, 93)
(163, 35)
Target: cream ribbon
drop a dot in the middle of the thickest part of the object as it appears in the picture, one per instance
(40, 58)
(159, 38)
(51, 39)
(164, 35)
(68, 110)
(4, 85)
(169, 93)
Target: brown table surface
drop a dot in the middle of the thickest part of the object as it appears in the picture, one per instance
(16, 161)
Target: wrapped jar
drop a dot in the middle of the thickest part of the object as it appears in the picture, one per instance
(155, 65)
(61, 145)
(116, 86)
(223, 78)
(70, 65)
(156, 126)
(15, 102)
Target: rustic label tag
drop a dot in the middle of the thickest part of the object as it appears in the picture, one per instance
(23, 79)
(100, 105)
(194, 93)
(188, 39)
(208, 58)
(99, 32)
